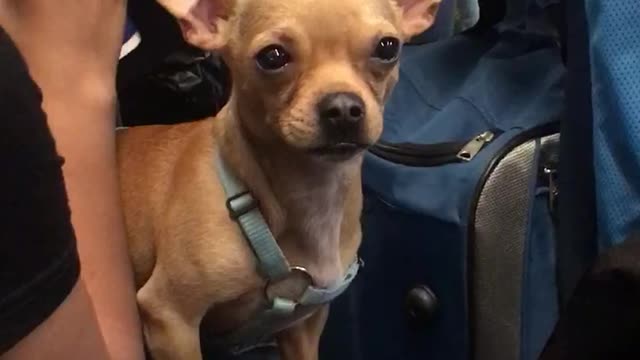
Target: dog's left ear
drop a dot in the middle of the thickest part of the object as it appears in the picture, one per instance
(417, 15)
(203, 22)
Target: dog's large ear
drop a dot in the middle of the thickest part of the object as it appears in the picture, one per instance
(203, 22)
(417, 15)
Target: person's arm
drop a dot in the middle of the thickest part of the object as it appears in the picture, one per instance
(70, 333)
(71, 48)
(45, 312)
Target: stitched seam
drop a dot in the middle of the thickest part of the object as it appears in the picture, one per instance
(417, 90)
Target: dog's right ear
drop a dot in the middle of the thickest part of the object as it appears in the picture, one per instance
(203, 22)
(417, 15)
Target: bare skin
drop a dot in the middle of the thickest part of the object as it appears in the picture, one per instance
(71, 48)
(72, 332)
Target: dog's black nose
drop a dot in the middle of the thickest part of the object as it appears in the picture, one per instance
(341, 114)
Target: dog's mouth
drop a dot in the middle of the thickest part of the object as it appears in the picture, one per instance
(343, 150)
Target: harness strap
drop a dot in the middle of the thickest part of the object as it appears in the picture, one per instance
(273, 266)
(262, 325)
(318, 296)
(243, 208)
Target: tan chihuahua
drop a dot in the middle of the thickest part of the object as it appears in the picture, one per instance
(245, 226)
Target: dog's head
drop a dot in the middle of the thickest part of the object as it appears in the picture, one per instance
(313, 74)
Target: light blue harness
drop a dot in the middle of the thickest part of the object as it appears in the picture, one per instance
(280, 312)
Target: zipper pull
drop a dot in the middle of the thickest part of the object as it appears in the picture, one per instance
(554, 192)
(472, 149)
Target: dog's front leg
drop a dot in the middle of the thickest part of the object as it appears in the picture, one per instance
(169, 332)
(301, 342)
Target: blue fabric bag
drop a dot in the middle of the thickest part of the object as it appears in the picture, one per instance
(458, 222)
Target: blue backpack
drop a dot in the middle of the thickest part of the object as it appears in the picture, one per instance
(460, 199)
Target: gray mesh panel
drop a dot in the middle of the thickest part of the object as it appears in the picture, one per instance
(497, 250)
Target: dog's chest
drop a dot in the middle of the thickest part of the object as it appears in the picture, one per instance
(227, 318)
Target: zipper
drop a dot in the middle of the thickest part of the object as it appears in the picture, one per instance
(551, 172)
(548, 166)
(474, 146)
(428, 155)
(537, 132)
(540, 131)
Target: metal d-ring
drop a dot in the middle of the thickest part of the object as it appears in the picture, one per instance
(304, 271)
(292, 270)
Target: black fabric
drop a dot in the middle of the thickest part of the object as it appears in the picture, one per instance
(577, 245)
(491, 12)
(165, 80)
(38, 259)
(161, 37)
(602, 319)
(185, 86)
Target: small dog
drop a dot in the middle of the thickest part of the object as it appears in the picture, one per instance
(245, 226)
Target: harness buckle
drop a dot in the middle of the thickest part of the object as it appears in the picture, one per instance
(241, 204)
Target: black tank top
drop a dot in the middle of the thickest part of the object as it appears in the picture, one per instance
(38, 259)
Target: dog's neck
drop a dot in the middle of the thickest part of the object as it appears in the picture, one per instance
(302, 199)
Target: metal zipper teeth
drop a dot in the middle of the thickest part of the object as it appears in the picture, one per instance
(417, 150)
(418, 161)
(435, 154)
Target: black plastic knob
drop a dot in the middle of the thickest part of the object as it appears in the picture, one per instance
(422, 305)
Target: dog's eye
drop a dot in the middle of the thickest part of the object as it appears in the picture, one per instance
(272, 58)
(387, 50)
